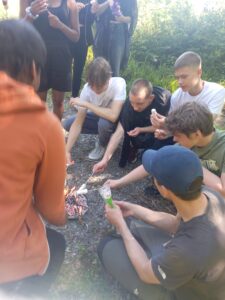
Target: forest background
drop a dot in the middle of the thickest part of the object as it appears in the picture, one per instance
(165, 29)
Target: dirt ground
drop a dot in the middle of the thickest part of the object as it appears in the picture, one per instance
(82, 276)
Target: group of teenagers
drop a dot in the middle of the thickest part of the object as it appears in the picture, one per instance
(66, 27)
(154, 255)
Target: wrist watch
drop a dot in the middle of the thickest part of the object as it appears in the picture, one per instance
(29, 13)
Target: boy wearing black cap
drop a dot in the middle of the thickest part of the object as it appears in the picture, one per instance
(161, 256)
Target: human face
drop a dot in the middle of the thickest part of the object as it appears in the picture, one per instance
(100, 89)
(186, 141)
(139, 102)
(189, 79)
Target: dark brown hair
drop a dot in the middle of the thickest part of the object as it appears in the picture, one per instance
(189, 118)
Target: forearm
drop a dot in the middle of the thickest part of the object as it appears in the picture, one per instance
(72, 34)
(135, 175)
(123, 19)
(213, 181)
(137, 255)
(147, 129)
(113, 144)
(73, 135)
(164, 221)
(103, 112)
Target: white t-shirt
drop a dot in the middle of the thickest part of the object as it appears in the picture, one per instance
(212, 95)
(116, 91)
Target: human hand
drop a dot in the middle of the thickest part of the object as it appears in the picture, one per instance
(80, 5)
(69, 160)
(157, 120)
(54, 21)
(77, 102)
(126, 208)
(136, 131)
(161, 134)
(114, 215)
(99, 167)
(38, 6)
(113, 183)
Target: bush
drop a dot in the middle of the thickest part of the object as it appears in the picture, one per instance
(171, 28)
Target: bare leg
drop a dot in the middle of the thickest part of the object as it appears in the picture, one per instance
(58, 107)
(43, 95)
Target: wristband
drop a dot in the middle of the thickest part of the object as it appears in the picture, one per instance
(29, 13)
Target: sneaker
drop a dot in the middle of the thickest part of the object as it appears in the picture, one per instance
(97, 153)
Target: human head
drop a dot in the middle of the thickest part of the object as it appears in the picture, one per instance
(189, 123)
(22, 51)
(176, 169)
(188, 70)
(141, 94)
(98, 75)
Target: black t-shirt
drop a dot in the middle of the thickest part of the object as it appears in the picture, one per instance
(129, 118)
(192, 263)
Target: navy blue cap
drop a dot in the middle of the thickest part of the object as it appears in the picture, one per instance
(175, 167)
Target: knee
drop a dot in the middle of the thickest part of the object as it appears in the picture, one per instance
(68, 123)
(105, 125)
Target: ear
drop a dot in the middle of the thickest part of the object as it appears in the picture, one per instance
(198, 134)
(200, 72)
(164, 191)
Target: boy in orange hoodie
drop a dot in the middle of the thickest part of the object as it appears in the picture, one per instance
(32, 164)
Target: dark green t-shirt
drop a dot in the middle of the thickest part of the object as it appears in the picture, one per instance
(213, 155)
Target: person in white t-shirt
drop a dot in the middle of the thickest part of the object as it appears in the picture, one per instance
(99, 106)
(188, 72)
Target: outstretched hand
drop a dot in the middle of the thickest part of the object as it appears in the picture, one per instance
(99, 167)
(113, 183)
(135, 132)
(69, 160)
(161, 134)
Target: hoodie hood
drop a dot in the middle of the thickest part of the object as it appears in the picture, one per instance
(17, 97)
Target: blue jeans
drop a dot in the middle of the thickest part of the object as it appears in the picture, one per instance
(94, 125)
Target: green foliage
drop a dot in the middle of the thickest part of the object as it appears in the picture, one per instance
(168, 28)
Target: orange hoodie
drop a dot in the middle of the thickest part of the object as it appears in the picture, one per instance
(32, 174)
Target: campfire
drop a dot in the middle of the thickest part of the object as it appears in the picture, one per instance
(75, 203)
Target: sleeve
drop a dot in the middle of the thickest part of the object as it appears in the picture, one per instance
(50, 176)
(174, 101)
(85, 93)
(120, 90)
(173, 267)
(217, 102)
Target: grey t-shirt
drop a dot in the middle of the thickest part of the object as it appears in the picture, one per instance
(192, 263)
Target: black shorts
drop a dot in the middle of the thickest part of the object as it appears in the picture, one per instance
(57, 71)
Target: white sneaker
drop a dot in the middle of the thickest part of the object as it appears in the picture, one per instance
(97, 153)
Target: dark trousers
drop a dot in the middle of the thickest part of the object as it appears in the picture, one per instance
(79, 53)
(114, 258)
(39, 285)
